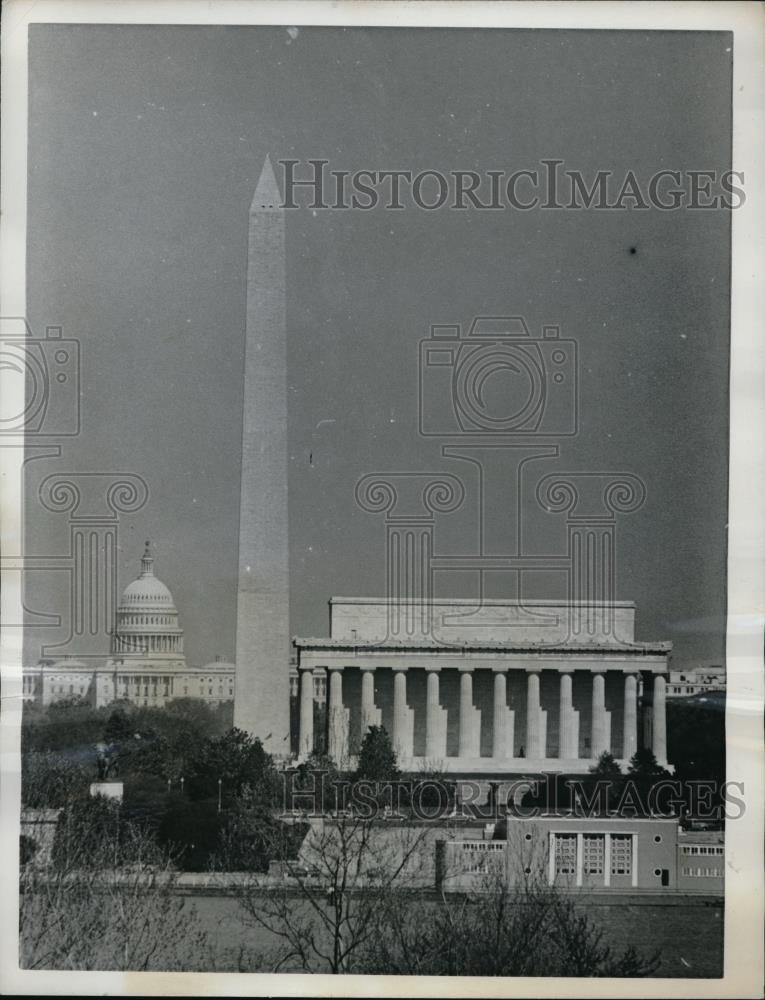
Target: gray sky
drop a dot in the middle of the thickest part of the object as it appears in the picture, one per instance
(145, 145)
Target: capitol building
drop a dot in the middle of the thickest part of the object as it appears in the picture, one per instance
(146, 666)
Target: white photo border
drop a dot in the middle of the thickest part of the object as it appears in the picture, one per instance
(746, 554)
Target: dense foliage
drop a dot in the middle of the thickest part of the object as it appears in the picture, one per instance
(377, 758)
(184, 773)
(74, 727)
(696, 737)
(606, 766)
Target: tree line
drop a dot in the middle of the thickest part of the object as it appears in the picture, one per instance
(201, 795)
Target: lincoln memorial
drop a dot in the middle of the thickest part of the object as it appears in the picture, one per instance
(490, 686)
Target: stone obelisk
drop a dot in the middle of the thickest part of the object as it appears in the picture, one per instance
(262, 632)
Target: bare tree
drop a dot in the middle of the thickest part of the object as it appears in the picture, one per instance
(49, 779)
(511, 922)
(107, 901)
(324, 910)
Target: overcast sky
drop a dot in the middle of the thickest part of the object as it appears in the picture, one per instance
(144, 147)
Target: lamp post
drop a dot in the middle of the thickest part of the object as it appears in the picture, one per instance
(220, 788)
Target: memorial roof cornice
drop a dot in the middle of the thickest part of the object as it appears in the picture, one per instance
(413, 646)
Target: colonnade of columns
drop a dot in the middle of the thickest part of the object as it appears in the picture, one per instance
(147, 643)
(503, 738)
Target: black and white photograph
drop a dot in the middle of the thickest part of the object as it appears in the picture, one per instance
(382, 499)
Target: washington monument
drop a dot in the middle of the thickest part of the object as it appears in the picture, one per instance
(262, 632)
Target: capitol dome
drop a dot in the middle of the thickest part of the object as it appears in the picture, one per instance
(147, 619)
(147, 592)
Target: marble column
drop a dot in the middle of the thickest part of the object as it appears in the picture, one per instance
(568, 719)
(370, 715)
(660, 718)
(598, 737)
(470, 718)
(533, 716)
(402, 716)
(466, 704)
(337, 719)
(502, 738)
(306, 713)
(630, 716)
(435, 730)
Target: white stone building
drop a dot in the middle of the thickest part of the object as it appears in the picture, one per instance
(692, 681)
(486, 687)
(147, 665)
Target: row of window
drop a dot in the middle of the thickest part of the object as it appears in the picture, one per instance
(621, 855)
(145, 680)
(319, 687)
(481, 855)
(133, 619)
(62, 689)
(593, 854)
(166, 693)
(154, 692)
(154, 681)
(55, 678)
(483, 845)
(30, 687)
(150, 643)
(126, 692)
(698, 849)
(702, 872)
(565, 855)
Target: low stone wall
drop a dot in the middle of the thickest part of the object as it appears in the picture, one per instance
(39, 825)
